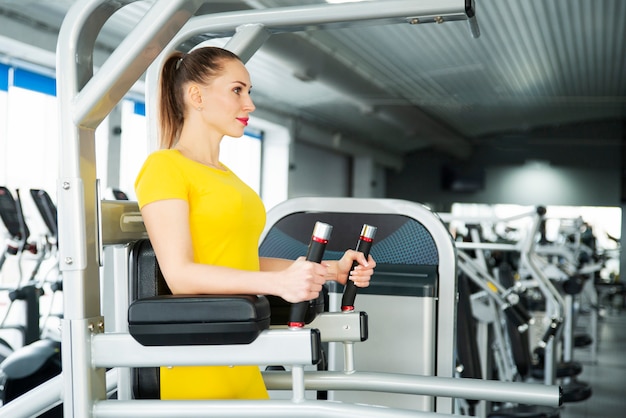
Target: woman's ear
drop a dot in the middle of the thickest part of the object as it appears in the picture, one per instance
(195, 96)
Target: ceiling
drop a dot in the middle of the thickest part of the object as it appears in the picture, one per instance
(398, 89)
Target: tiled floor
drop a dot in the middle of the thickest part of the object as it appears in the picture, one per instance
(607, 375)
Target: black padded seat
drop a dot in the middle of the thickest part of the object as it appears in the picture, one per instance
(525, 411)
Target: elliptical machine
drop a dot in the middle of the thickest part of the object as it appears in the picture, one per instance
(39, 359)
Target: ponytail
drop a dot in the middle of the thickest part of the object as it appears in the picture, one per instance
(171, 102)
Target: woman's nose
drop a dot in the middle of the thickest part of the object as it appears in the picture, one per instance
(249, 105)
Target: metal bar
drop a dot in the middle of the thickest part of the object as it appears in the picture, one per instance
(470, 265)
(44, 397)
(270, 347)
(324, 16)
(240, 409)
(247, 40)
(84, 101)
(297, 383)
(487, 246)
(449, 217)
(130, 60)
(491, 390)
(36, 401)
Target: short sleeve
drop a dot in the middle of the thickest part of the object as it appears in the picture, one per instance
(160, 178)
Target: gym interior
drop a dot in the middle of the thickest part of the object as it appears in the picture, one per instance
(474, 148)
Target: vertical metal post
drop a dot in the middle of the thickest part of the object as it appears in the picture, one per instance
(297, 376)
(348, 354)
(84, 101)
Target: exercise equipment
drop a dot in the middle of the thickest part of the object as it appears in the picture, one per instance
(364, 245)
(39, 359)
(315, 253)
(415, 236)
(25, 289)
(536, 272)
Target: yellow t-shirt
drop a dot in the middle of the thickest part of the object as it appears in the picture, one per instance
(226, 219)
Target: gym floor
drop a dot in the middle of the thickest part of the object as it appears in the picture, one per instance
(607, 376)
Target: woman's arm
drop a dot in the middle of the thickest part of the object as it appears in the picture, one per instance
(337, 270)
(167, 223)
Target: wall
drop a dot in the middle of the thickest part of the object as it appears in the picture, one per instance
(318, 172)
(574, 165)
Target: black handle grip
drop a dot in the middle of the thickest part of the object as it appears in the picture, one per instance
(523, 313)
(555, 324)
(364, 244)
(514, 316)
(315, 253)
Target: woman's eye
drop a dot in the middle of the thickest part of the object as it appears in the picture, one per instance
(237, 90)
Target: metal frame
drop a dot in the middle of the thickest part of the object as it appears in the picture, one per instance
(445, 328)
(442, 385)
(531, 263)
(85, 100)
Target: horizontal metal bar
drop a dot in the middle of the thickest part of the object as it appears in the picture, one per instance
(43, 397)
(324, 16)
(489, 390)
(487, 246)
(449, 217)
(266, 408)
(38, 400)
(289, 347)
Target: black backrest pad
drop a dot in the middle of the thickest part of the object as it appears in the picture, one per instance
(145, 275)
(46, 208)
(8, 212)
(406, 255)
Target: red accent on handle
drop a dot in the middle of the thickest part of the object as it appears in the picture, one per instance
(320, 240)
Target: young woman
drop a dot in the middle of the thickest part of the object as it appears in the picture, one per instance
(204, 222)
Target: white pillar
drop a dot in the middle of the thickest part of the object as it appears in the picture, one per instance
(364, 182)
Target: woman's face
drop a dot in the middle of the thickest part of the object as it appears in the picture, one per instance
(226, 101)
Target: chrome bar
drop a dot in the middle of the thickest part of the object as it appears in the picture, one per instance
(270, 347)
(490, 390)
(254, 409)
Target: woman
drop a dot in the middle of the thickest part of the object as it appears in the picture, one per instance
(204, 222)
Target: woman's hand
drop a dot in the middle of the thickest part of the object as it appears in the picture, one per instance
(361, 274)
(302, 280)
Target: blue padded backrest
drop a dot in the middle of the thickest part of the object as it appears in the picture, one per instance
(399, 239)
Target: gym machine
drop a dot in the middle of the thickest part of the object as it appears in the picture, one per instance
(534, 269)
(38, 359)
